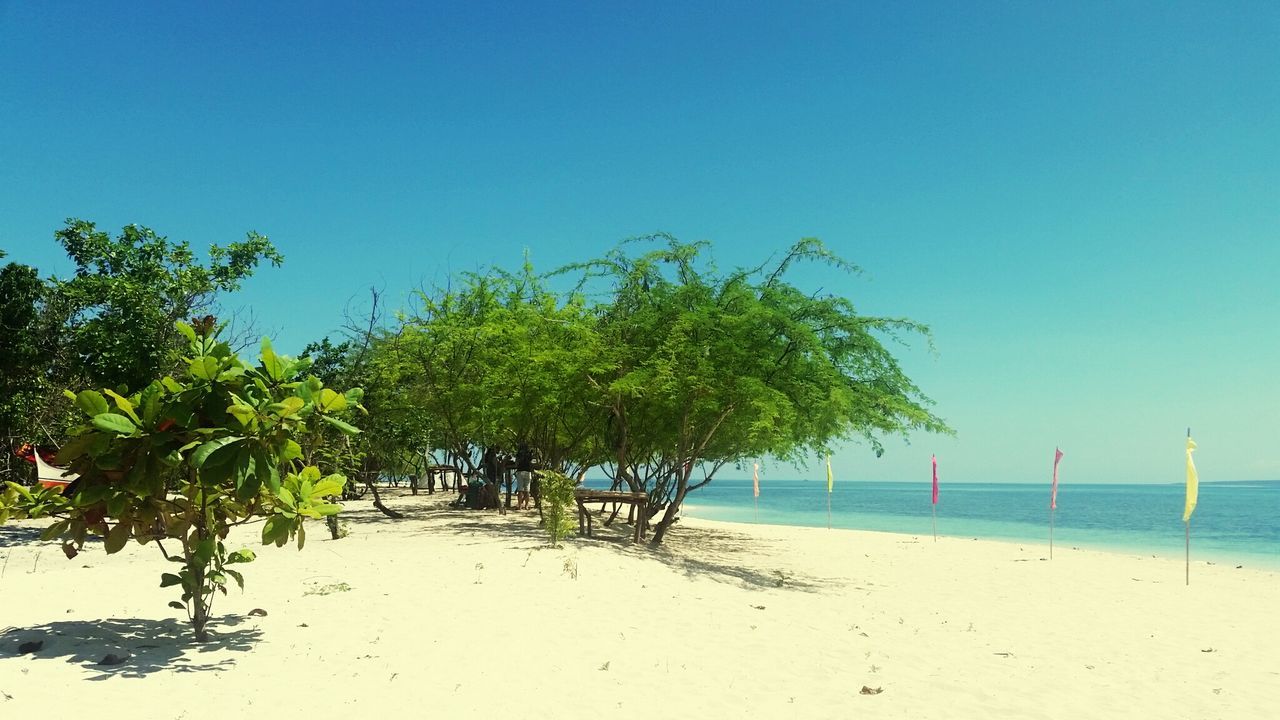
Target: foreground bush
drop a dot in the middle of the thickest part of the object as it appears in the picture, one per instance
(189, 457)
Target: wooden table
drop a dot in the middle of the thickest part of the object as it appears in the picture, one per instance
(637, 501)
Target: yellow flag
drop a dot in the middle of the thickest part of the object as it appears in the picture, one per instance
(829, 482)
(1193, 482)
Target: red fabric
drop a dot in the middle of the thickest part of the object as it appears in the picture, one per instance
(935, 479)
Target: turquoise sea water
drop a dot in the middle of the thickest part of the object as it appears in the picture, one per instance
(1235, 523)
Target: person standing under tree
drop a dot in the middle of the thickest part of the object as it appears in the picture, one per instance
(524, 475)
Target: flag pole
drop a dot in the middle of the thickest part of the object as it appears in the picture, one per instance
(1187, 527)
(1053, 496)
(828, 491)
(933, 498)
(1052, 512)
(755, 488)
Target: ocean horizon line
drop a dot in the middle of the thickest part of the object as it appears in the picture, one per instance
(952, 483)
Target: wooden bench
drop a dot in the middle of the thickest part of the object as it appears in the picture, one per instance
(637, 501)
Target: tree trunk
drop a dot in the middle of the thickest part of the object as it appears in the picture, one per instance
(331, 522)
(200, 607)
(200, 614)
(660, 530)
(377, 500)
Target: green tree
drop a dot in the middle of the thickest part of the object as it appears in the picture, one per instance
(128, 291)
(497, 360)
(189, 457)
(26, 344)
(709, 369)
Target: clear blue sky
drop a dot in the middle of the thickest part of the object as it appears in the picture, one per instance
(1082, 200)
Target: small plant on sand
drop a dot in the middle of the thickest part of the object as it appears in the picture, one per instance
(189, 457)
(329, 589)
(557, 501)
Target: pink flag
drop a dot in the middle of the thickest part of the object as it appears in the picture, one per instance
(1053, 493)
(755, 480)
(935, 479)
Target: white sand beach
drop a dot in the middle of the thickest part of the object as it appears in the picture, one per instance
(466, 614)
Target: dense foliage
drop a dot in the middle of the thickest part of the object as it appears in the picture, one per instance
(190, 456)
(647, 362)
(677, 373)
(110, 324)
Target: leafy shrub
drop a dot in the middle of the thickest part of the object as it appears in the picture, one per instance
(188, 458)
(557, 502)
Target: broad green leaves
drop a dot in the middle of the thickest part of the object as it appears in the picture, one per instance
(91, 402)
(193, 455)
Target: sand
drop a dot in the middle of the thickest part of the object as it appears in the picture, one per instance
(467, 614)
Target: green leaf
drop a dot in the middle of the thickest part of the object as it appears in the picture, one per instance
(244, 413)
(89, 496)
(331, 485)
(286, 500)
(55, 530)
(266, 469)
(237, 576)
(177, 605)
(204, 551)
(150, 400)
(74, 448)
(302, 534)
(273, 527)
(344, 427)
(288, 406)
(116, 504)
(241, 556)
(291, 451)
(310, 389)
(245, 469)
(331, 401)
(125, 405)
(117, 537)
(186, 330)
(327, 509)
(202, 453)
(204, 368)
(271, 362)
(169, 579)
(91, 402)
(110, 422)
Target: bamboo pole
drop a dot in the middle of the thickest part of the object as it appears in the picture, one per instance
(1052, 512)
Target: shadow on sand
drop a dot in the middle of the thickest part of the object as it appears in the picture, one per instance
(720, 555)
(150, 645)
(13, 536)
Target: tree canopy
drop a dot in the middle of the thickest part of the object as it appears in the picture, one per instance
(111, 323)
(678, 371)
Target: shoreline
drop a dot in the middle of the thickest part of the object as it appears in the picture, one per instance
(1211, 554)
(470, 614)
